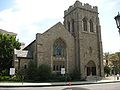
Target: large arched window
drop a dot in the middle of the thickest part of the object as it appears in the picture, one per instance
(59, 48)
(84, 24)
(91, 26)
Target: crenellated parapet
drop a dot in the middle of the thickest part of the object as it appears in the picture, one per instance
(80, 5)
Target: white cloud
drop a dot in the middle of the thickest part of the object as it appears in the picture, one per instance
(28, 17)
(22, 17)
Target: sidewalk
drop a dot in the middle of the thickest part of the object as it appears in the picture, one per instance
(111, 79)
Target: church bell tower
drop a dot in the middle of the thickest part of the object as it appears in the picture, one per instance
(82, 21)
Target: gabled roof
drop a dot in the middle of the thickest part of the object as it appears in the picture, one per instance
(26, 48)
(22, 54)
(59, 24)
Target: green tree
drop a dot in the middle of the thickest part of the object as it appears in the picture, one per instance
(114, 62)
(118, 58)
(7, 45)
(107, 70)
(114, 59)
(106, 57)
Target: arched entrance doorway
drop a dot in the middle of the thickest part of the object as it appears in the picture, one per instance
(91, 68)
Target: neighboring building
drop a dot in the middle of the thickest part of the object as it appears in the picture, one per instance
(74, 45)
(6, 32)
(21, 57)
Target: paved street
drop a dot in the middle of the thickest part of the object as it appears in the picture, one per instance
(105, 86)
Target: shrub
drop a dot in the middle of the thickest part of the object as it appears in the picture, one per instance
(75, 75)
(60, 78)
(4, 72)
(31, 71)
(44, 72)
(4, 78)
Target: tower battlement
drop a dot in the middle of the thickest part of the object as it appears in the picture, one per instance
(80, 5)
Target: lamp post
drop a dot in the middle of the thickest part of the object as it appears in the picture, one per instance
(117, 19)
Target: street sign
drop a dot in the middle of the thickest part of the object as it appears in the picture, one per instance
(63, 71)
(12, 71)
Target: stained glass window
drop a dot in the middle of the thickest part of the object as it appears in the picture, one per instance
(59, 48)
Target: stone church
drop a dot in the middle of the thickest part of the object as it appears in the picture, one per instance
(75, 44)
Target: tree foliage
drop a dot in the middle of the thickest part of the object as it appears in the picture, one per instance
(112, 62)
(107, 70)
(106, 57)
(7, 45)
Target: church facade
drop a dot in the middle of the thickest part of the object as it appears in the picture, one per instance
(74, 45)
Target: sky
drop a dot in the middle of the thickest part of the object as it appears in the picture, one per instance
(28, 17)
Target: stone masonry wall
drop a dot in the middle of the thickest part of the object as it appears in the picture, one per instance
(45, 43)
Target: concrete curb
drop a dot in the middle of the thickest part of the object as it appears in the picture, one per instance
(54, 84)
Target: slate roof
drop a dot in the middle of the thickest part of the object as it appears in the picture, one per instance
(22, 54)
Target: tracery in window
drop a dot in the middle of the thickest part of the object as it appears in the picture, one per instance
(59, 48)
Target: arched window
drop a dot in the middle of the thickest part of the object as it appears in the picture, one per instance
(72, 25)
(84, 24)
(60, 67)
(59, 48)
(68, 26)
(53, 67)
(25, 66)
(57, 68)
(91, 26)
